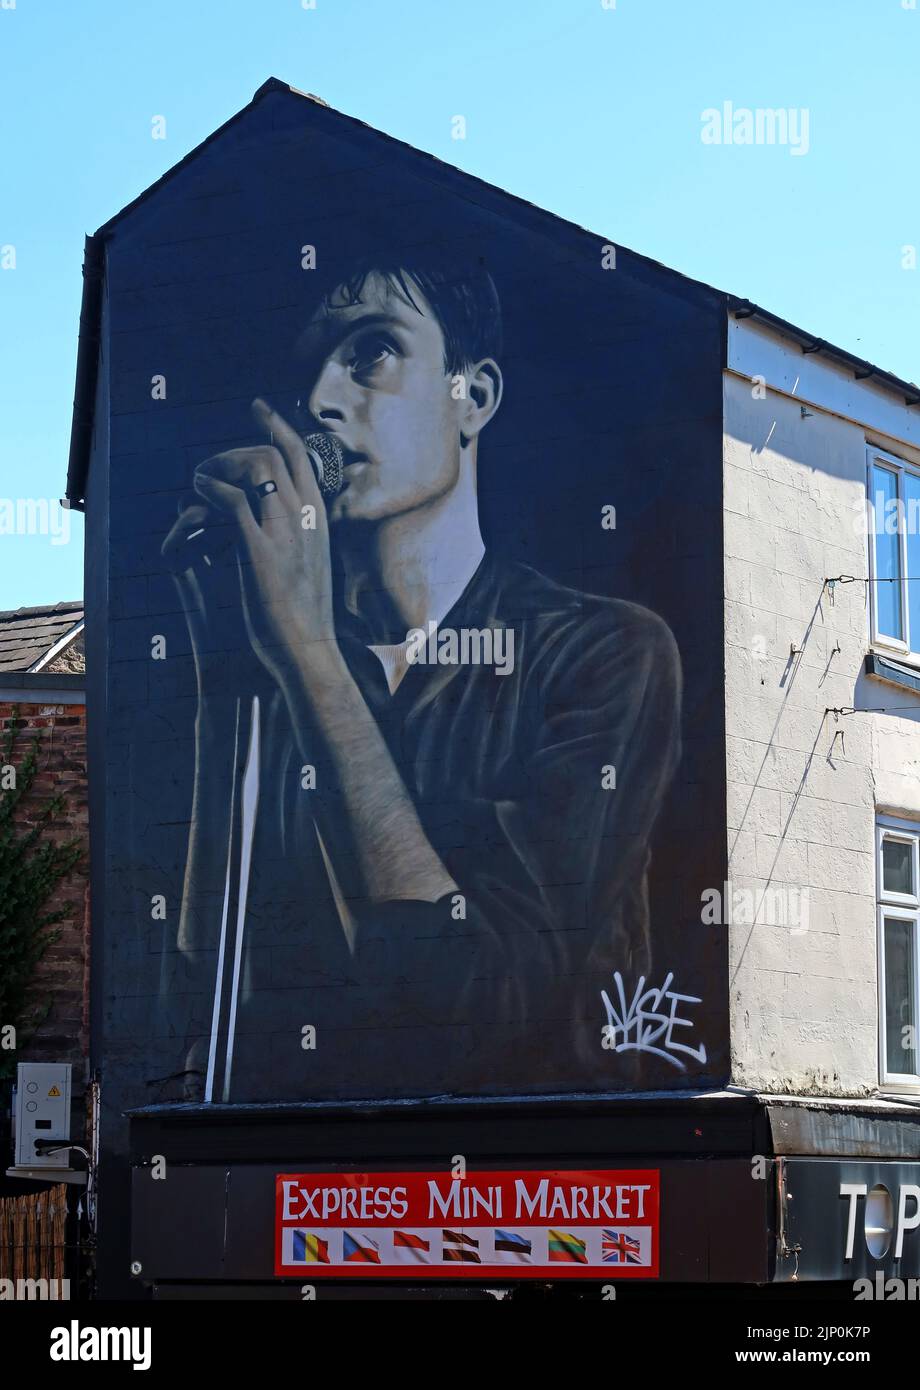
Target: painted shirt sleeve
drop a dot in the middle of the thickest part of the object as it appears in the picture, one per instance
(555, 895)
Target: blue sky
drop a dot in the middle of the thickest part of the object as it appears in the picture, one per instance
(592, 112)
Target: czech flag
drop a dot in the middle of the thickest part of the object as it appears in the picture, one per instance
(355, 1251)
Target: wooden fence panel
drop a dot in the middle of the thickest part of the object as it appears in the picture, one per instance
(33, 1233)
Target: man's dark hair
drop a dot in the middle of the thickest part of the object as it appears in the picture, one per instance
(462, 296)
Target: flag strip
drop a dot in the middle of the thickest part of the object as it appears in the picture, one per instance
(308, 1248)
(460, 1238)
(513, 1242)
(354, 1250)
(411, 1240)
(564, 1246)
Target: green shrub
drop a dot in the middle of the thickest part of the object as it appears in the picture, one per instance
(30, 869)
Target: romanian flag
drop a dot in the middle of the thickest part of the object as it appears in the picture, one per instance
(563, 1246)
(307, 1248)
(355, 1251)
(408, 1238)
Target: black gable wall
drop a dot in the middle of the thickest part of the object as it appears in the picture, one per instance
(612, 398)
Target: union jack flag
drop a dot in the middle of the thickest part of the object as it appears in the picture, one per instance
(620, 1249)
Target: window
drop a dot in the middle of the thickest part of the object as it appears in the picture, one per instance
(894, 553)
(898, 872)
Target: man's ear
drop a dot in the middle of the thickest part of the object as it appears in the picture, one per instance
(483, 397)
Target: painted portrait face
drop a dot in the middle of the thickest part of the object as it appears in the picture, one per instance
(379, 383)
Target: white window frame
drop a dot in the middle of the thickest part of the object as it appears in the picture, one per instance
(904, 907)
(900, 467)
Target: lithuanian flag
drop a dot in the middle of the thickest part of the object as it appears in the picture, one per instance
(563, 1246)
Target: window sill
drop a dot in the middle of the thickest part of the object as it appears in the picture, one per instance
(886, 668)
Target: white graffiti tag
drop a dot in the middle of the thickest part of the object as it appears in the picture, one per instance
(638, 1026)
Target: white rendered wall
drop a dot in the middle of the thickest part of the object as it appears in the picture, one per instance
(803, 788)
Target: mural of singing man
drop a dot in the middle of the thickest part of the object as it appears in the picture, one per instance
(426, 776)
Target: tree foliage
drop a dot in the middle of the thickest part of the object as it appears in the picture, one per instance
(31, 867)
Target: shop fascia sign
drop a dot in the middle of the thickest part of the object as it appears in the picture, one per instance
(878, 1208)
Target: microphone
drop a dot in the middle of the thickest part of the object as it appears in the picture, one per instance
(327, 459)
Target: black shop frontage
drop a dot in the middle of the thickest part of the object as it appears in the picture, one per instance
(673, 1195)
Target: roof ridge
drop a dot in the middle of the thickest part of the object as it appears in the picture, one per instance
(65, 606)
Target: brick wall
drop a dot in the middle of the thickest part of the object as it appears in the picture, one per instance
(63, 973)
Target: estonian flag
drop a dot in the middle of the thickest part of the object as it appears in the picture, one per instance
(512, 1242)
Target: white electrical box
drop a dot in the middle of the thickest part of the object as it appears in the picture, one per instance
(42, 1112)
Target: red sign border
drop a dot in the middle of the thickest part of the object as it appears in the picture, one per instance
(465, 1272)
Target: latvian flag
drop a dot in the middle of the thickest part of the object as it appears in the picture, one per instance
(462, 1248)
(307, 1248)
(411, 1248)
(563, 1246)
(620, 1249)
(512, 1243)
(355, 1251)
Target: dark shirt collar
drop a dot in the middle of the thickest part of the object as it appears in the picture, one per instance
(476, 607)
(477, 602)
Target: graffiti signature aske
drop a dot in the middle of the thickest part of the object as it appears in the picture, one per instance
(648, 1019)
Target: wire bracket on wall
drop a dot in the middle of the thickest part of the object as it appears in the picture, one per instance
(830, 584)
(878, 579)
(845, 710)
